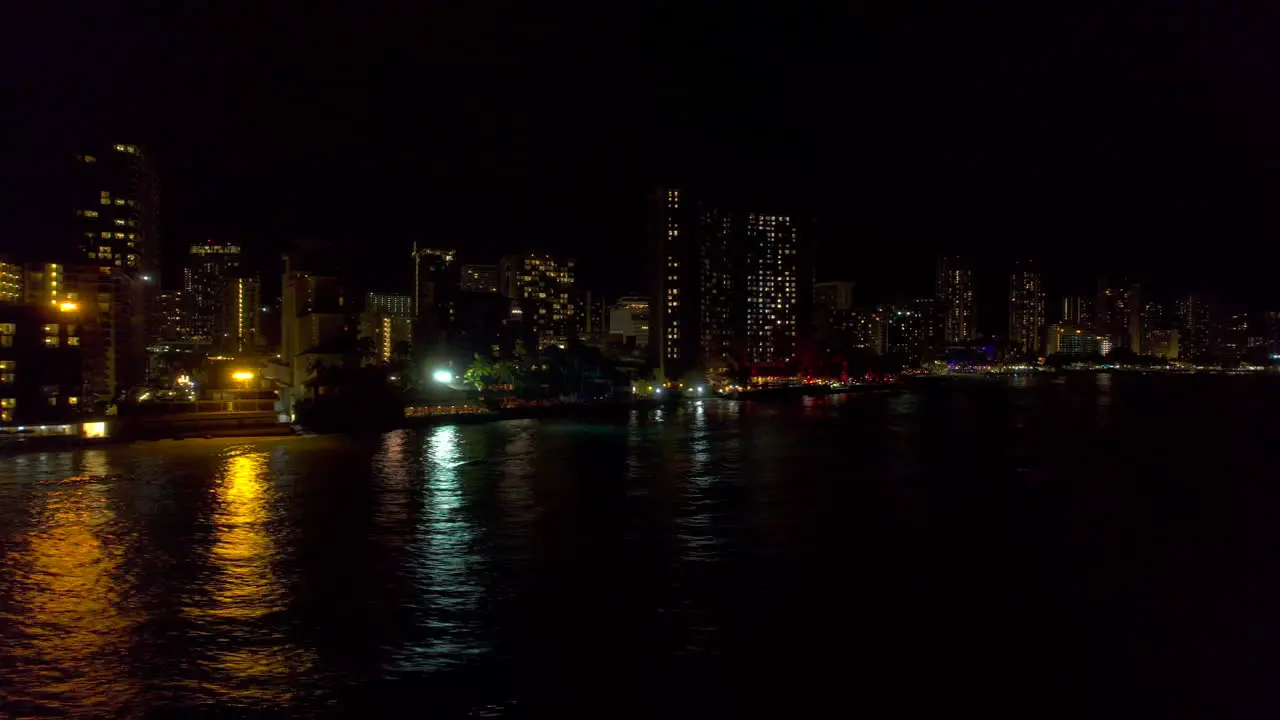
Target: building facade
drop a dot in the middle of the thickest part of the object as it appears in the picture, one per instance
(168, 318)
(542, 288)
(1026, 310)
(210, 265)
(629, 321)
(239, 327)
(958, 305)
(731, 286)
(480, 278)
(42, 379)
(1196, 329)
(116, 207)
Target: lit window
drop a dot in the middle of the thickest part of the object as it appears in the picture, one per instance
(51, 341)
(8, 402)
(106, 201)
(51, 329)
(73, 400)
(54, 401)
(119, 222)
(73, 340)
(119, 201)
(90, 159)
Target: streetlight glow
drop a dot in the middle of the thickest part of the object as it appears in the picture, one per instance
(242, 375)
(442, 376)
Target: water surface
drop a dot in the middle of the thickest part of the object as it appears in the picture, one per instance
(1093, 546)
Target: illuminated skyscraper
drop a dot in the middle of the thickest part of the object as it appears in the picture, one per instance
(1077, 310)
(480, 278)
(209, 265)
(542, 288)
(168, 318)
(239, 327)
(690, 310)
(1197, 339)
(393, 305)
(957, 301)
(772, 288)
(1026, 310)
(729, 285)
(116, 205)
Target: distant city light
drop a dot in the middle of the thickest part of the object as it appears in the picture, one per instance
(146, 278)
(442, 376)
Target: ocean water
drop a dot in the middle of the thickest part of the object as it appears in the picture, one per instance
(1081, 546)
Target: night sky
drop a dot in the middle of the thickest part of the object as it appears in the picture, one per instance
(1139, 141)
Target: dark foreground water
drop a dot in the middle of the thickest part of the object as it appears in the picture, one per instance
(1101, 546)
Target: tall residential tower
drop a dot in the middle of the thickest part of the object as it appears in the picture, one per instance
(1026, 310)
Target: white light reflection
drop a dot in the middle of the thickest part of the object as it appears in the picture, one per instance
(443, 564)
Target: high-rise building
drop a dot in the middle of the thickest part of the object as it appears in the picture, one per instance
(959, 305)
(43, 283)
(10, 282)
(692, 308)
(731, 285)
(1233, 336)
(42, 380)
(434, 276)
(1118, 315)
(110, 303)
(772, 289)
(1064, 339)
(480, 278)
(209, 265)
(1271, 332)
(834, 295)
(1026, 310)
(393, 305)
(1162, 344)
(387, 321)
(168, 318)
(905, 332)
(542, 286)
(1197, 339)
(239, 327)
(117, 209)
(1077, 310)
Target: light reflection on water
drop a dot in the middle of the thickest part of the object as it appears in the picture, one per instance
(64, 597)
(443, 564)
(243, 591)
(284, 577)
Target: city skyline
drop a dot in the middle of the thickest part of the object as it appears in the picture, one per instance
(263, 145)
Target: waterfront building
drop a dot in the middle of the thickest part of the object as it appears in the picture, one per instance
(954, 289)
(115, 199)
(210, 264)
(542, 287)
(1026, 310)
(239, 327)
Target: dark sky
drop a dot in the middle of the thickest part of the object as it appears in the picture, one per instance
(1136, 140)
